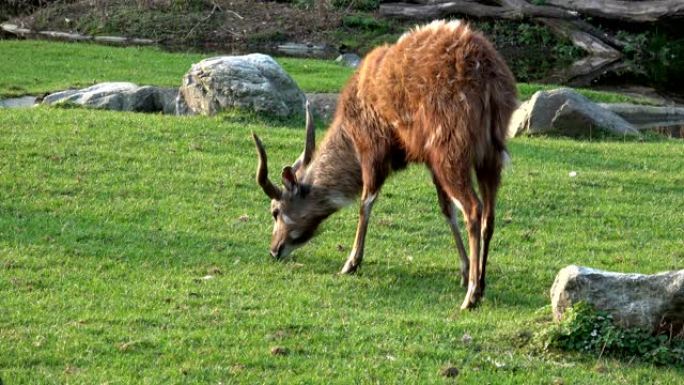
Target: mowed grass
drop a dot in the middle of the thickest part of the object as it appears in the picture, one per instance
(32, 67)
(134, 249)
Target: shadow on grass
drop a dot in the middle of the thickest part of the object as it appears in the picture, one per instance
(402, 286)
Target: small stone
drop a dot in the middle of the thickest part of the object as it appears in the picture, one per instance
(449, 371)
(277, 335)
(279, 351)
(600, 368)
(243, 218)
(467, 338)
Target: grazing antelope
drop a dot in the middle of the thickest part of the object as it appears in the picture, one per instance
(441, 95)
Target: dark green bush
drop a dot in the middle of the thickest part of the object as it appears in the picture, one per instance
(587, 330)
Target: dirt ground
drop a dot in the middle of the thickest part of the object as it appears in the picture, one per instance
(200, 23)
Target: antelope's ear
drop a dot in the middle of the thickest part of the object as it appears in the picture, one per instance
(290, 179)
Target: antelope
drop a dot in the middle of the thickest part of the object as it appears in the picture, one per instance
(442, 96)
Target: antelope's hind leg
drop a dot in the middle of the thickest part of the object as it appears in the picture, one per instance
(449, 210)
(489, 179)
(455, 179)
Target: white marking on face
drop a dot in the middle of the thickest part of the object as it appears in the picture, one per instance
(340, 201)
(294, 234)
(287, 220)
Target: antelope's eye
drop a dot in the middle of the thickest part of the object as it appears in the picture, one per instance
(276, 212)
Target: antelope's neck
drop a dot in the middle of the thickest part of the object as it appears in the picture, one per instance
(334, 173)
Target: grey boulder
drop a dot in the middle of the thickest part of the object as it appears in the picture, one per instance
(566, 112)
(323, 105)
(118, 96)
(635, 300)
(253, 82)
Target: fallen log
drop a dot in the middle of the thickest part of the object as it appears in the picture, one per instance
(68, 36)
(511, 10)
(441, 10)
(630, 11)
(644, 117)
(527, 10)
(584, 71)
(563, 23)
(589, 42)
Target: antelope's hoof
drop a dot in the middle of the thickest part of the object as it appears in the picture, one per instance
(469, 304)
(349, 268)
(479, 293)
(472, 298)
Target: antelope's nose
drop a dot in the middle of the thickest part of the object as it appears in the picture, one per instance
(277, 251)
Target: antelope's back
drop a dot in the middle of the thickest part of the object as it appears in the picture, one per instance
(441, 84)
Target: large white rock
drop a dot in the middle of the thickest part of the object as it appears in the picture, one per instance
(254, 82)
(635, 300)
(565, 112)
(119, 96)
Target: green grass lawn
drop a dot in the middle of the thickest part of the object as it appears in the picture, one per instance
(111, 223)
(31, 67)
(134, 248)
(34, 67)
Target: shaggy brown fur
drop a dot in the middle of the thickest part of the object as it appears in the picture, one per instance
(441, 96)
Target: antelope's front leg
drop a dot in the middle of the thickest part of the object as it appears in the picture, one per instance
(356, 255)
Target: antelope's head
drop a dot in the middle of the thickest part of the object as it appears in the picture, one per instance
(296, 213)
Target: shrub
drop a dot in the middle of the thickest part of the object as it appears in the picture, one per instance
(587, 330)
